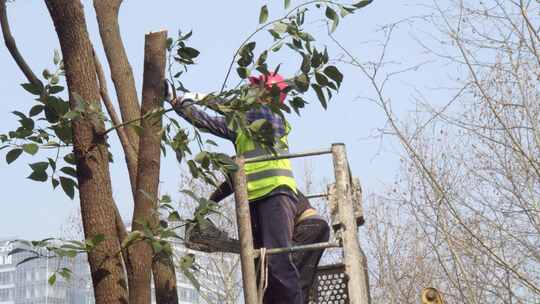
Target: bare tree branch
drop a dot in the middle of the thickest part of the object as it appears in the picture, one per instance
(129, 150)
(121, 71)
(12, 47)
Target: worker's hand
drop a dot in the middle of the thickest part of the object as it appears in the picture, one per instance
(169, 96)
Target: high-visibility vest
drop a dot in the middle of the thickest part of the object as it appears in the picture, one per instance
(263, 177)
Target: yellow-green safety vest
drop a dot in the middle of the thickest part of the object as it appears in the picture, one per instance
(263, 177)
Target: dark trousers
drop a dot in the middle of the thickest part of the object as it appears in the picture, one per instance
(309, 231)
(272, 220)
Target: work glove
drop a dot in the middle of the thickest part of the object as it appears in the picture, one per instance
(189, 98)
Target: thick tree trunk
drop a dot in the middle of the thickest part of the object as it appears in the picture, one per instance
(95, 192)
(121, 71)
(146, 195)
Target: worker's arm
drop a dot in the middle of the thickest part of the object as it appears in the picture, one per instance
(198, 118)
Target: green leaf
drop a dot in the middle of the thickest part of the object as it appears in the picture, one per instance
(306, 63)
(170, 42)
(12, 155)
(66, 273)
(262, 58)
(174, 217)
(32, 88)
(98, 238)
(306, 36)
(344, 11)
(157, 247)
(131, 238)
(297, 103)
(325, 56)
(20, 115)
(362, 3)
(332, 15)
(52, 162)
(69, 171)
(186, 264)
(55, 89)
(263, 16)
(57, 57)
(297, 43)
(30, 148)
(35, 110)
(39, 176)
(28, 125)
(54, 182)
(277, 47)
(258, 124)
(334, 74)
(72, 115)
(321, 79)
(274, 34)
(70, 158)
(302, 83)
(201, 156)
(68, 185)
(320, 95)
(165, 199)
(211, 142)
(188, 52)
(316, 59)
(39, 166)
(64, 132)
(287, 4)
(280, 27)
(52, 279)
(248, 47)
(46, 74)
(243, 72)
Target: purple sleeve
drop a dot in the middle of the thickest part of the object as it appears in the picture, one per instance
(213, 124)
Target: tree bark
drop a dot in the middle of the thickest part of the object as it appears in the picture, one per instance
(164, 279)
(146, 196)
(95, 191)
(121, 71)
(129, 151)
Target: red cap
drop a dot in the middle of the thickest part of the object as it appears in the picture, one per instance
(269, 81)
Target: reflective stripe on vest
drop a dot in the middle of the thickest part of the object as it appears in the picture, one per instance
(268, 173)
(264, 176)
(260, 151)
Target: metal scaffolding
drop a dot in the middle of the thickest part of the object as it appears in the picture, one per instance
(346, 220)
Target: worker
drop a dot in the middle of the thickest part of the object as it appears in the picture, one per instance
(309, 228)
(271, 186)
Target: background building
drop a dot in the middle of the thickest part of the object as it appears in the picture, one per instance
(28, 282)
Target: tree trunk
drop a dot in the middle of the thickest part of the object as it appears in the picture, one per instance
(121, 71)
(146, 196)
(95, 191)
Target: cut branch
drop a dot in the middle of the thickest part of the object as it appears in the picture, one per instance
(13, 50)
(146, 194)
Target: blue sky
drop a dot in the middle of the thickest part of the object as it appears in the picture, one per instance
(32, 210)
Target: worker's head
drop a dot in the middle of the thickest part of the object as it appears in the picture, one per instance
(268, 82)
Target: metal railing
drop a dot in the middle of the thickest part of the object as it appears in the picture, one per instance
(353, 257)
